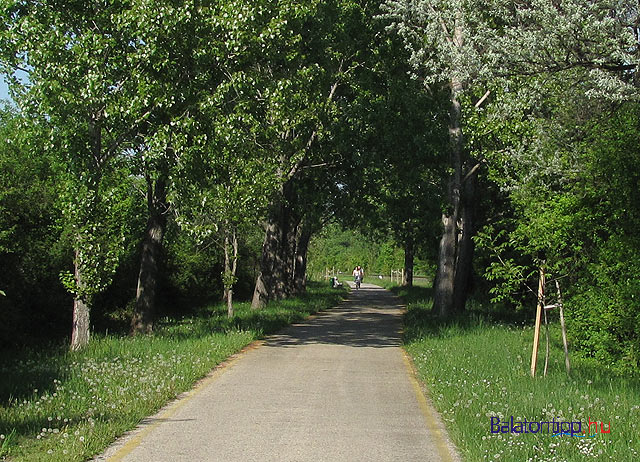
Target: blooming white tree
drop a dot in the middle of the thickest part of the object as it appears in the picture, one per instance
(475, 45)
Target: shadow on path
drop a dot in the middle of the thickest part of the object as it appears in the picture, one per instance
(370, 317)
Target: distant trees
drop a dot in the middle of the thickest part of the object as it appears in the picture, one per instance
(341, 250)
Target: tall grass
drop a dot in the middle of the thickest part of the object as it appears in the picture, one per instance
(476, 370)
(62, 406)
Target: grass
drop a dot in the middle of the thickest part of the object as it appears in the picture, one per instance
(387, 284)
(476, 370)
(56, 405)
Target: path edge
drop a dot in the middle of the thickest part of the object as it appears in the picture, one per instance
(124, 444)
(447, 451)
(444, 445)
(131, 439)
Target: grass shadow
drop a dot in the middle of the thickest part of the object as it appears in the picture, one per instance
(270, 319)
(420, 320)
(30, 369)
(26, 370)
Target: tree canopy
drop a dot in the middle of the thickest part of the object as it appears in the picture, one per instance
(171, 151)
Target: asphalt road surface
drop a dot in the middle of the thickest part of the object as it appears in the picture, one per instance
(337, 387)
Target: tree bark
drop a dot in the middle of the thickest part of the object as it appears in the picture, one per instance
(148, 277)
(81, 312)
(407, 279)
(276, 265)
(230, 267)
(466, 247)
(81, 305)
(300, 272)
(292, 240)
(280, 256)
(263, 291)
(444, 285)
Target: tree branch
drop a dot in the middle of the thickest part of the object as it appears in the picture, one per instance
(472, 171)
(481, 100)
(314, 134)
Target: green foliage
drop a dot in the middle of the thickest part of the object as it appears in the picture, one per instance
(7, 442)
(33, 247)
(345, 249)
(78, 101)
(568, 202)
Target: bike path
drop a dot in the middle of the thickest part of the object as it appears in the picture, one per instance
(337, 387)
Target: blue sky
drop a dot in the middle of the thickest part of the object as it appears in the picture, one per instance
(4, 90)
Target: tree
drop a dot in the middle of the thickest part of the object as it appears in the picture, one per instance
(439, 37)
(319, 47)
(33, 248)
(223, 182)
(81, 65)
(175, 42)
(475, 46)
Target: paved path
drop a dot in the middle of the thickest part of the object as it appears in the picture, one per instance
(335, 388)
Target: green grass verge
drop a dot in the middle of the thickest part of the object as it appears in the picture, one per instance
(63, 406)
(385, 282)
(476, 370)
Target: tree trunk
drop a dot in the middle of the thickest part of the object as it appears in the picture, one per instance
(289, 222)
(444, 285)
(280, 265)
(81, 305)
(407, 279)
(300, 272)
(445, 274)
(263, 291)
(230, 267)
(81, 313)
(276, 267)
(464, 263)
(290, 252)
(143, 318)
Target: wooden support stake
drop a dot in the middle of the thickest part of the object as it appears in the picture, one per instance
(564, 330)
(536, 332)
(546, 354)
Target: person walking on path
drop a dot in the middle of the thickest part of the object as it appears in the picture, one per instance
(358, 275)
